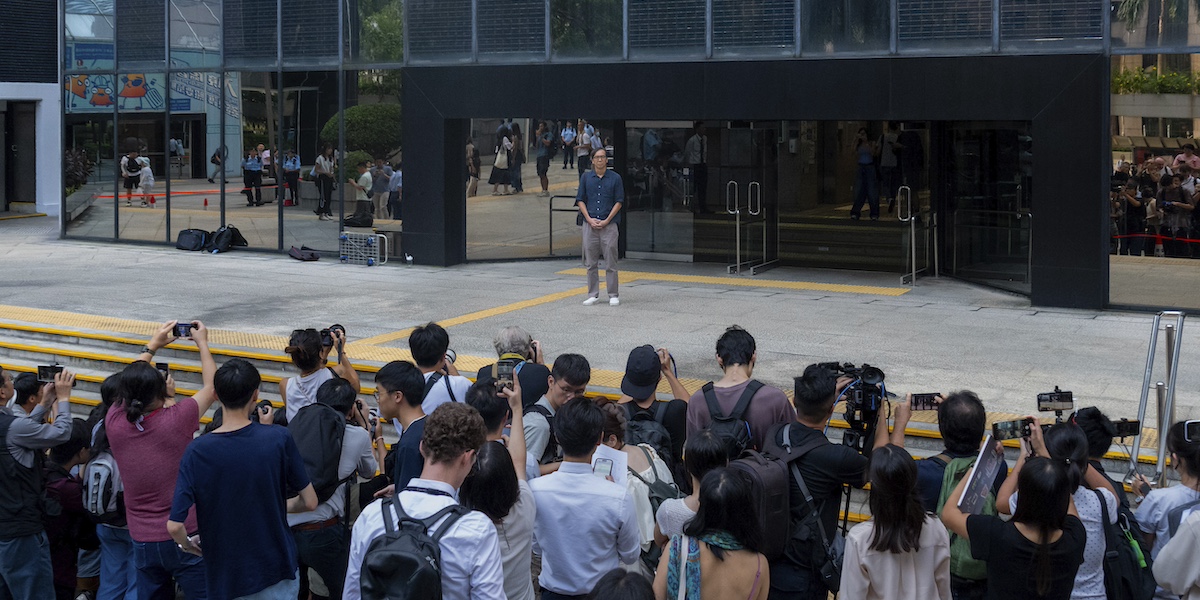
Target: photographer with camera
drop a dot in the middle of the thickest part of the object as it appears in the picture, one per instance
(310, 350)
(1177, 207)
(523, 355)
(430, 348)
(826, 468)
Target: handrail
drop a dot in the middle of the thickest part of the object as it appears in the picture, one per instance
(1166, 401)
(550, 220)
(734, 209)
(754, 190)
(904, 199)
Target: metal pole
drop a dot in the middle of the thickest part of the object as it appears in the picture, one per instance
(1137, 440)
(1173, 346)
(1160, 469)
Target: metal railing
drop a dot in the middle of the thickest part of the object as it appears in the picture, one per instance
(1165, 393)
(904, 200)
(1018, 214)
(550, 220)
(754, 208)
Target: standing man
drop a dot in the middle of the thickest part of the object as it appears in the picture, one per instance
(599, 199)
(544, 139)
(396, 190)
(568, 144)
(131, 171)
(695, 153)
(889, 164)
(291, 174)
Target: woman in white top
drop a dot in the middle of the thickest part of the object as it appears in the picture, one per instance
(310, 355)
(1153, 512)
(1176, 569)
(645, 467)
(1067, 442)
(902, 552)
(500, 175)
(702, 452)
(497, 488)
(323, 169)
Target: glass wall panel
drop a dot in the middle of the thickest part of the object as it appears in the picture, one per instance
(752, 26)
(374, 137)
(666, 27)
(88, 30)
(251, 27)
(140, 33)
(251, 194)
(88, 130)
(141, 131)
(833, 26)
(439, 29)
(1075, 22)
(936, 24)
(512, 29)
(586, 28)
(195, 140)
(309, 118)
(1154, 23)
(309, 32)
(661, 187)
(195, 33)
(374, 31)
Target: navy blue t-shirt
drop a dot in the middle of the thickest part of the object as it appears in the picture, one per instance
(408, 454)
(239, 482)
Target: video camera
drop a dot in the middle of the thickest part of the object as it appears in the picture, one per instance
(864, 397)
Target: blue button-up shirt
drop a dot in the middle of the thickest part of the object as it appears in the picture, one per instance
(291, 164)
(252, 164)
(568, 135)
(600, 194)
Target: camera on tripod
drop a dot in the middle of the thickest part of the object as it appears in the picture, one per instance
(864, 397)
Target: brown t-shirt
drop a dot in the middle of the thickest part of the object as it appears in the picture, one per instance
(768, 407)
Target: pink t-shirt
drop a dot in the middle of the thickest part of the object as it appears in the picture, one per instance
(149, 462)
(1193, 161)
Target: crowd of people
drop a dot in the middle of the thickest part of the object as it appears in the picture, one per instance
(576, 140)
(518, 485)
(1152, 208)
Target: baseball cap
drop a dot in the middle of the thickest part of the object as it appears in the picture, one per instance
(642, 372)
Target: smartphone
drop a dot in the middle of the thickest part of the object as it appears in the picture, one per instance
(164, 368)
(1128, 428)
(1056, 401)
(1010, 430)
(1191, 431)
(46, 373)
(924, 401)
(603, 467)
(505, 370)
(183, 329)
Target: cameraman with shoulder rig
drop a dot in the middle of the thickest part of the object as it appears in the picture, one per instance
(825, 467)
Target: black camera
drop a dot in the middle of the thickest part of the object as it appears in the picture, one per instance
(1127, 428)
(1011, 430)
(327, 335)
(864, 397)
(183, 329)
(259, 409)
(1056, 401)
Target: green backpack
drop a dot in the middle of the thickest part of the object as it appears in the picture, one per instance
(962, 564)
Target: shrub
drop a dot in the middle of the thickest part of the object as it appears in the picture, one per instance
(373, 128)
(77, 167)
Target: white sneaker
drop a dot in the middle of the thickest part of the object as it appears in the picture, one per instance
(590, 301)
(614, 301)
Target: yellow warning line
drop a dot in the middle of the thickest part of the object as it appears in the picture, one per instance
(628, 276)
(21, 216)
(479, 315)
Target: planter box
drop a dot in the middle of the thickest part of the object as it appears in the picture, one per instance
(1168, 106)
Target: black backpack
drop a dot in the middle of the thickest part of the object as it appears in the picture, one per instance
(1128, 569)
(192, 239)
(224, 239)
(642, 428)
(551, 451)
(318, 431)
(359, 221)
(732, 428)
(770, 477)
(405, 563)
(658, 491)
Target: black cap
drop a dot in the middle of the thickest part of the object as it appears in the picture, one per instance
(642, 372)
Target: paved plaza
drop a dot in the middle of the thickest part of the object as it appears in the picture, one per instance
(942, 335)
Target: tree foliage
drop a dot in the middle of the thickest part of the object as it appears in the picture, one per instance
(372, 128)
(586, 27)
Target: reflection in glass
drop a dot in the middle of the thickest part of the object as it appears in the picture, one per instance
(1154, 23)
(309, 106)
(438, 29)
(927, 24)
(512, 28)
(140, 40)
(753, 25)
(375, 31)
(308, 31)
(88, 27)
(1050, 20)
(846, 25)
(88, 138)
(661, 186)
(666, 27)
(586, 28)
(250, 32)
(195, 33)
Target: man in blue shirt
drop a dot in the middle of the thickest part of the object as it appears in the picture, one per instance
(291, 175)
(599, 199)
(568, 144)
(242, 479)
(252, 169)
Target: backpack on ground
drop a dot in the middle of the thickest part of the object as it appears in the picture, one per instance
(1128, 573)
(551, 451)
(642, 428)
(770, 477)
(224, 239)
(192, 239)
(103, 493)
(405, 563)
(359, 221)
(318, 431)
(962, 563)
(659, 491)
(304, 253)
(732, 428)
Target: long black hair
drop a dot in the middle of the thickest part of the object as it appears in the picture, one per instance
(491, 488)
(726, 504)
(1068, 443)
(895, 505)
(304, 346)
(110, 390)
(141, 386)
(1187, 454)
(1045, 492)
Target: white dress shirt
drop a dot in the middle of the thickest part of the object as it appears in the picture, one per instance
(438, 395)
(586, 526)
(471, 565)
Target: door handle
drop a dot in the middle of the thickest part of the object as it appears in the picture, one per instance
(731, 194)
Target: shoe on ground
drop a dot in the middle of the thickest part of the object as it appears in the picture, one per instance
(145, 204)
(211, 181)
(875, 218)
(614, 301)
(591, 300)
(853, 217)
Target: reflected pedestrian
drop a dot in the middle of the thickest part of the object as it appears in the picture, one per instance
(500, 173)
(544, 140)
(473, 164)
(568, 144)
(516, 158)
(252, 170)
(865, 190)
(218, 162)
(324, 172)
(291, 175)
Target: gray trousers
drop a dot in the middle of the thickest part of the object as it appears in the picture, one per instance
(597, 244)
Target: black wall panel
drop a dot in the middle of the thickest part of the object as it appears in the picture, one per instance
(30, 31)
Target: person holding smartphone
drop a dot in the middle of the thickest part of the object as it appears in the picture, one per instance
(1156, 504)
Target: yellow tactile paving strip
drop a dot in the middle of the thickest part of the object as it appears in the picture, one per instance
(629, 276)
(21, 216)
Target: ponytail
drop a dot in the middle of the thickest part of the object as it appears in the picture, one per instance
(141, 386)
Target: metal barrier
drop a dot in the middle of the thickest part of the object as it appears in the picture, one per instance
(550, 219)
(904, 200)
(1165, 394)
(1019, 214)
